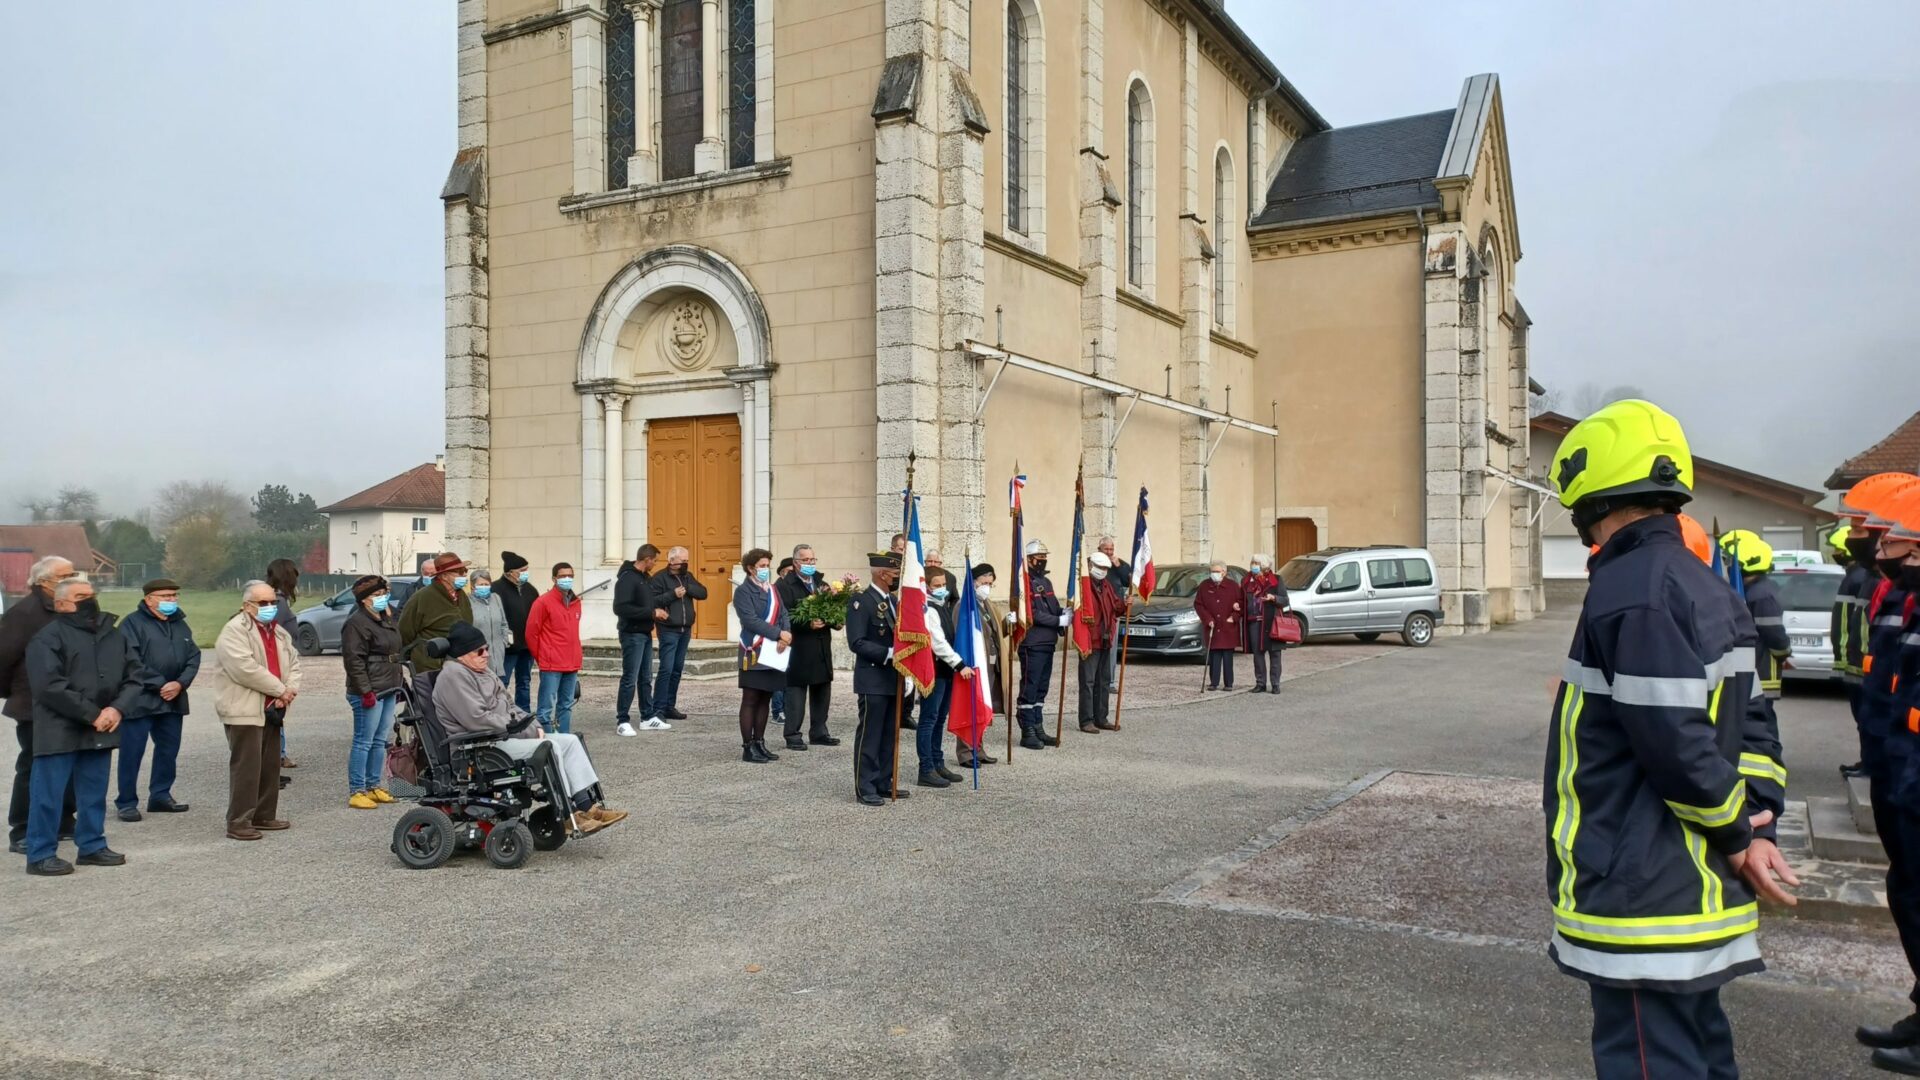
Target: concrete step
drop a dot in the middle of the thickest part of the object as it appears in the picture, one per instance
(705, 659)
(1829, 890)
(1860, 802)
(1834, 836)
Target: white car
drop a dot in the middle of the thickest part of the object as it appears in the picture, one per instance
(1806, 595)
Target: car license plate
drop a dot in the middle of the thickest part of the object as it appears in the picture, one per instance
(1809, 642)
(1141, 631)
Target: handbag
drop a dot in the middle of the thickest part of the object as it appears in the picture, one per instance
(1284, 629)
(403, 760)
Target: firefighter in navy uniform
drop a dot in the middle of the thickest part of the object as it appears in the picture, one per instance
(1659, 772)
(1887, 703)
(1754, 556)
(871, 616)
(1841, 628)
(1042, 640)
(1862, 580)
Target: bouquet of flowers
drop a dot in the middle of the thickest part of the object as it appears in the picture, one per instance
(829, 605)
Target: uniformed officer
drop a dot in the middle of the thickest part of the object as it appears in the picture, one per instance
(1037, 648)
(1655, 700)
(871, 615)
(1754, 556)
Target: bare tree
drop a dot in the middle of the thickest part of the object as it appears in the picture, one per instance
(73, 503)
(210, 500)
(1546, 402)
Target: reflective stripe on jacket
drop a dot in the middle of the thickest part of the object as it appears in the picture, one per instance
(1659, 750)
(1770, 621)
(1880, 667)
(1849, 614)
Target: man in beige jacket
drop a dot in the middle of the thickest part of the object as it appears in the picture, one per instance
(256, 676)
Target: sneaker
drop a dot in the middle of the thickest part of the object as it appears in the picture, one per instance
(360, 800)
(625, 729)
(380, 795)
(655, 724)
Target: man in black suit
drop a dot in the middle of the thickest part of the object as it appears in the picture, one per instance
(871, 615)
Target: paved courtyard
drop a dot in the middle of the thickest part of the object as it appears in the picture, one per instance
(1341, 881)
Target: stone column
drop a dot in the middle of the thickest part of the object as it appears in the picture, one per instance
(469, 429)
(642, 166)
(710, 153)
(614, 500)
(1454, 530)
(1196, 308)
(1525, 530)
(1099, 261)
(962, 289)
(587, 32)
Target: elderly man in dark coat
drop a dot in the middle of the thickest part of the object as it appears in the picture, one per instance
(22, 621)
(84, 681)
(163, 647)
(810, 668)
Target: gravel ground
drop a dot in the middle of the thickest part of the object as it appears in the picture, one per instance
(751, 919)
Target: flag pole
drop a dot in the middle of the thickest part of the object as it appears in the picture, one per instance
(1060, 717)
(900, 679)
(1120, 701)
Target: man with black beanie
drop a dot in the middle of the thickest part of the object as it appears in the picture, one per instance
(517, 595)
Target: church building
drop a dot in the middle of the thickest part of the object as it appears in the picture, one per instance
(717, 270)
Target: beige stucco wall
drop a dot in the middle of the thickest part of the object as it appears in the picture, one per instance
(1341, 351)
(1140, 40)
(804, 241)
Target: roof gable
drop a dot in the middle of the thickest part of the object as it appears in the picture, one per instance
(1898, 452)
(423, 487)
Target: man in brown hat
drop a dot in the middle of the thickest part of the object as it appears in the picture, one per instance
(429, 614)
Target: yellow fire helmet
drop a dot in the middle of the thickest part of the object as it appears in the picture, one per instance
(1745, 547)
(1837, 539)
(1628, 448)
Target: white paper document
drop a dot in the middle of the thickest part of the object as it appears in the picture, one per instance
(771, 656)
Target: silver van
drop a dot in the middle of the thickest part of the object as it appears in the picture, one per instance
(1365, 592)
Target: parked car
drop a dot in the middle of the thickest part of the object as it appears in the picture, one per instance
(1806, 596)
(1365, 592)
(318, 628)
(1166, 625)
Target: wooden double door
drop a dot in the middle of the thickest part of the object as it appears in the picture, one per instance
(693, 501)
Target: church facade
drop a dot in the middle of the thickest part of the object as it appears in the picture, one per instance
(718, 270)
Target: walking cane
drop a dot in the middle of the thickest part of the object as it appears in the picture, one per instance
(1206, 659)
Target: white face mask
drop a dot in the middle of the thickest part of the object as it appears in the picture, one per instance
(1217, 576)
(1099, 573)
(983, 592)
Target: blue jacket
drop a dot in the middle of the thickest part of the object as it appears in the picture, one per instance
(1659, 750)
(164, 652)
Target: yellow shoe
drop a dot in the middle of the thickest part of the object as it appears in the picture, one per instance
(360, 800)
(380, 795)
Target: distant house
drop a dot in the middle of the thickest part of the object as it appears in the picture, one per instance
(1898, 452)
(1784, 514)
(23, 545)
(391, 527)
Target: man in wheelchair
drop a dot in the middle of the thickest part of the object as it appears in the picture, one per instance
(470, 700)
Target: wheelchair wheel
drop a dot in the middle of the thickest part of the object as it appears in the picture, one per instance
(548, 827)
(509, 845)
(424, 838)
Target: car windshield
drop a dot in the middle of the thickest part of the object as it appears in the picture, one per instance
(1184, 579)
(1299, 573)
(1807, 592)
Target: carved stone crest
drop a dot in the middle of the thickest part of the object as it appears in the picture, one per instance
(686, 337)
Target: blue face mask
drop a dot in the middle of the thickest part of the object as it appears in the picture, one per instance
(459, 583)
(169, 608)
(763, 575)
(939, 593)
(808, 570)
(267, 613)
(481, 592)
(380, 602)
(564, 584)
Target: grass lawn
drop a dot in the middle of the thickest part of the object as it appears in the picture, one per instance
(206, 612)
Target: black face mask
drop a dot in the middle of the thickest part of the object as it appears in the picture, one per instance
(87, 608)
(1910, 577)
(1039, 566)
(1861, 550)
(1890, 568)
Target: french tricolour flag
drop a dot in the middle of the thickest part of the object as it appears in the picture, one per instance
(1142, 551)
(972, 709)
(912, 656)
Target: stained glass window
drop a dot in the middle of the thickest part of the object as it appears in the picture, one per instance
(679, 86)
(1016, 118)
(741, 87)
(619, 61)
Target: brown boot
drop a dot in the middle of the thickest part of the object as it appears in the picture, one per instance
(586, 824)
(605, 816)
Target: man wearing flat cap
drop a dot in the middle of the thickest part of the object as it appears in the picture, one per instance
(871, 616)
(161, 644)
(430, 612)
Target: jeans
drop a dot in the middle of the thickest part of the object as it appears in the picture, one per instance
(556, 700)
(636, 656)
(673, 659)
(84, 772)
(17, 810)
(780, 703)
(520, 676)
(165, 732)
(927, 739)
(372, 731)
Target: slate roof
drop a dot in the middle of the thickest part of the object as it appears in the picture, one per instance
(1898, 452)
(423, 487)
(1375, 168)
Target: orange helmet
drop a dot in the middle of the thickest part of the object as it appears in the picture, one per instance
(1902, 514)
(1869, 495)
(1696, 539)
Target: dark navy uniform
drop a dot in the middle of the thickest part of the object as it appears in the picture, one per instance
(1036, 652)
(1654, 766)
(1849, 632)
(870, 621)
(1890, 667)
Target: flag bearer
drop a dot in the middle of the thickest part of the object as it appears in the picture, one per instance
(1655, 701)
(871, 616)
(1042, 640)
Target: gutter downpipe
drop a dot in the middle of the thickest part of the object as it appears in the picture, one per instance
(1420, 297)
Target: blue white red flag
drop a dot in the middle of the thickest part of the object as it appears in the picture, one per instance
(912, 647)
(972, 709)
(1142, 551)
(1019, 585)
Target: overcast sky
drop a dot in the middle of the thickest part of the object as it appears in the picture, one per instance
(223, 231)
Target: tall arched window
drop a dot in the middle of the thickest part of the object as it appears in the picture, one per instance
(742, 88)
(1026, 120)
(1140, 226)
(620, 80)
(680, 86)
(1226, 226)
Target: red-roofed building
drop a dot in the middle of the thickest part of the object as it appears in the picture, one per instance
(1898, 452)
(23, 545)
(391, 527)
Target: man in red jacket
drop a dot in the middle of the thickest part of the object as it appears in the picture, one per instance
(553, 636)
